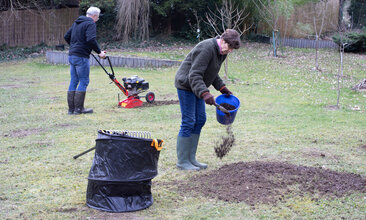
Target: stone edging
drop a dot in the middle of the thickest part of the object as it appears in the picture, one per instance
(60, 57)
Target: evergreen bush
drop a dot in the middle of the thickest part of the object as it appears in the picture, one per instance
(355, 41)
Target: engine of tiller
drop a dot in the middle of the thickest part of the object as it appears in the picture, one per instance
(136, 85)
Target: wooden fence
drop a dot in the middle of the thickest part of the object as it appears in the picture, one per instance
(31, 27)
(305, 43)
(300, 23)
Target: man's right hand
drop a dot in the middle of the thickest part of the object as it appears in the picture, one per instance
(102, 54)
(209, 98)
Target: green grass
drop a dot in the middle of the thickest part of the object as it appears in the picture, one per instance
(283, 117)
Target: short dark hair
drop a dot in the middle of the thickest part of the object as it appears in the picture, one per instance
(232, 38)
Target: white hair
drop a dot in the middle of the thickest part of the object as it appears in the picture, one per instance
(93, 11)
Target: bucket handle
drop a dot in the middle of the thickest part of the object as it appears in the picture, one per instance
(158, 145)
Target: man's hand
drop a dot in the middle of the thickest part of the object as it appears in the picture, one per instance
(225, 90)
(102, 54)
(209, 98)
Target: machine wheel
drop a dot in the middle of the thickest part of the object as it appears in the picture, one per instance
(150, 97)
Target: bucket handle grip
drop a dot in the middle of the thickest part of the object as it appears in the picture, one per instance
(158, 145)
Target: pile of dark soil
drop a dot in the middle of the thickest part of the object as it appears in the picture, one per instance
(271, 182)
(227, 106)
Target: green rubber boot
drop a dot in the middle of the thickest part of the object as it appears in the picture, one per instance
(193, 151)
(183, 151)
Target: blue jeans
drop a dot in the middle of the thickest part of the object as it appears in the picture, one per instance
(193, 113)
(79, 71)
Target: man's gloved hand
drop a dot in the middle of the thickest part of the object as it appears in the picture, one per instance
(102, 54)
(225, 90)
(209, 98)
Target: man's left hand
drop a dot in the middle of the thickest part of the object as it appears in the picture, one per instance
(225, 90)
(102, 54)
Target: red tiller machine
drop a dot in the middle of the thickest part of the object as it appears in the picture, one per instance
(132, 86)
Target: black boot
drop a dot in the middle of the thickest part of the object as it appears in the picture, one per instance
(70, 102)
(79, 104)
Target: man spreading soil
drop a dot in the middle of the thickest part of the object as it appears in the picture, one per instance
(199, 70)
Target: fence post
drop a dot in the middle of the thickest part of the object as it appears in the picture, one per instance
(274, 43)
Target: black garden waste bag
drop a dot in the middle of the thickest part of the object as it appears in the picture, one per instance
(123, 166)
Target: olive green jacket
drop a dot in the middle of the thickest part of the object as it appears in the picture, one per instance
(200, 69)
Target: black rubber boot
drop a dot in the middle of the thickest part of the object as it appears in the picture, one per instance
(79, 104)
(70, 102)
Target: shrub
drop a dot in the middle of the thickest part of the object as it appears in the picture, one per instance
(355, 41)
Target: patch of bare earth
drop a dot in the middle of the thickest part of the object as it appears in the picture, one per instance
(10, 86)
(100, 215)
(360, 86)
(332, 107)
(23, 132)
(115, 216)
(315, 153)
(160, 103)
(271, 182)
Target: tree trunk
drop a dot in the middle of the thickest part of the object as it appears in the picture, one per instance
(317, 52)
(340, 73)
(132, 19)
(340, 13)
(226, 67)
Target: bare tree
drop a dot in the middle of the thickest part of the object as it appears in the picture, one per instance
(341, 26)
(340, 71)
(196, 27)
(228, 16)
(132, 19)
(33, 6)
(320, 10)
(270, 12)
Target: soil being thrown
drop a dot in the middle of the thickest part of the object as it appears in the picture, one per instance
(224, 145)
(271, 182)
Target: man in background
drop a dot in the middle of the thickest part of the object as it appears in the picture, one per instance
(82, 40)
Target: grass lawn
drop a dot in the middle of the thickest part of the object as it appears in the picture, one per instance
(283, 118)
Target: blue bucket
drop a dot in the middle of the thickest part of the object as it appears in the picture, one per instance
(221, 117)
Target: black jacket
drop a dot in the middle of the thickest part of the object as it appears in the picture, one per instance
(200, 69)
(82, 37)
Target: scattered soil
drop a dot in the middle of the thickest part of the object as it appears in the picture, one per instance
(361, 86)
(23, 132)
(67, 210)
(159, 103)
(332, 107)
(271, 182)
(65, 125)
(116, 216)
(10, 86)
(315, 153)
(94, 214)
(225, 144)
